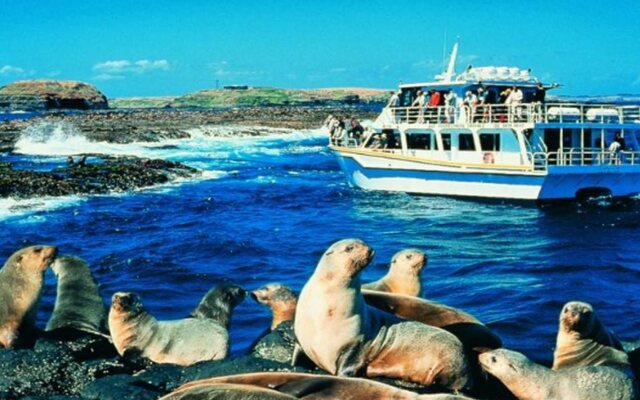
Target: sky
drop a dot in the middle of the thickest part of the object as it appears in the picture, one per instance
(168, 48)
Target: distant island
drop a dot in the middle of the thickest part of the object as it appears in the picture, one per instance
(47, 95)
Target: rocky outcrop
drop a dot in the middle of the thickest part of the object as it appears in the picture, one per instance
(156, 125)
(94, 175)
(43, 95)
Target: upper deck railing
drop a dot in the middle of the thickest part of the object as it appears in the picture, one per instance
(578, 113)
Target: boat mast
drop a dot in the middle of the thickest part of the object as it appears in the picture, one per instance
(450, 72)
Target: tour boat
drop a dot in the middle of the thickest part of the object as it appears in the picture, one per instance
(524, 150)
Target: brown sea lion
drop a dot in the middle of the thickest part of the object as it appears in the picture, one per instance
(280, 299)
(183, 342)
(78, 303)
(21, 280)
(531, 381)
(403, 276)
(313, 386)
(471, 332)
(583, 340)
(341, 334)
(225, 391)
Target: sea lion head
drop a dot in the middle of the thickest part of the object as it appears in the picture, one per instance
(65, 263)
(577, 316)
(274, 293)
(229, 295)
(126, 303)
(503, 362)
(409, 260)
(33, 259)
(346, 258)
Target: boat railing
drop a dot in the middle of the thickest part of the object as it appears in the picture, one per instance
(582, 157)
(581, 113)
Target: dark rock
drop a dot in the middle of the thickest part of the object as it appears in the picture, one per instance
(164, 377)
(277, 345)
(119, 387)
(52, 398)
(110, 174)
(241, 365)
(50, 370)
(82, 346)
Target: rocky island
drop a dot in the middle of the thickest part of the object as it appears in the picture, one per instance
(45, 95)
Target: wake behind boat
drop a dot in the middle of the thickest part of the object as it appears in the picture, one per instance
(488, 132)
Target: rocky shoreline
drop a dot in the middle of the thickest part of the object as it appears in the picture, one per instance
(97, 174)
(76, 365)
(126, 126)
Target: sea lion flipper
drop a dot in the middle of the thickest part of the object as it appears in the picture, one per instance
(352, 358)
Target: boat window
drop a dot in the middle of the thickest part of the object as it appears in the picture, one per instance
(421, 141)
(465, 142)
(490, 141)
(446, 141)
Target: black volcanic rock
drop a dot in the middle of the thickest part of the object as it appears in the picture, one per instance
(99, 175)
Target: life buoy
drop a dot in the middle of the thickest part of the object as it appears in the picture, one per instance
(488, 158)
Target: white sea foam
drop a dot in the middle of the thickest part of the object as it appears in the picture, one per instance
(13, 208)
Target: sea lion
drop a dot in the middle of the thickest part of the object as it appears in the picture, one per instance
(21, 280)
(219, 302)
(280, 299)
(313, 386)
(78, 303)
(225, 391)
(531, 381)
(341, 334)
(583, 340)
(403, 276)
(183, 342)
(471, 332)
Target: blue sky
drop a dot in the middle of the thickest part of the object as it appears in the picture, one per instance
(143, 48)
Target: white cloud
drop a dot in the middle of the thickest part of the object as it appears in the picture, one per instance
(107, 77)
(10, 70)
(118, 69)
(222, 69)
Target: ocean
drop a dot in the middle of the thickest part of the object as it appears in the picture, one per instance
(266, 208)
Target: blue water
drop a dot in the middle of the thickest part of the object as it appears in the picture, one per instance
(268, 207)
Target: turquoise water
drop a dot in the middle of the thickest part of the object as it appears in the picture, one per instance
(266, 209)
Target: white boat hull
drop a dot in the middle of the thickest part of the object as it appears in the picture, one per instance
(379, 171)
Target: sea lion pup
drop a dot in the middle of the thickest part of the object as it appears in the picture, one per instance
(472, 333)
(403, 276)
(280, 299)
(583, 340)
(21, 280)
(341, 334)
(313, 386)
(78, 303)
(531, 381)
(183, 342)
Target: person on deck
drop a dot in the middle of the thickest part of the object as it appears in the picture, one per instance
(420, 102)
(394, 101)
(432, 105)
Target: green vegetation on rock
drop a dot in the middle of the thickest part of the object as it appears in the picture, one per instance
(251, 97)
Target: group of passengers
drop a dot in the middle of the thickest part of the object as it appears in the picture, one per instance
(343, 130)
(475, 106)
